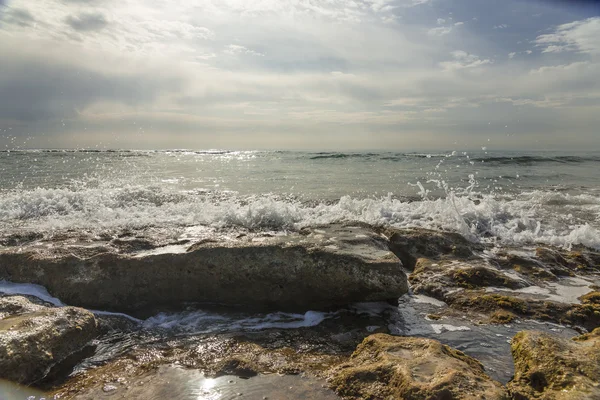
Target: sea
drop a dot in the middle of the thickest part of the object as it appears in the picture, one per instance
(509, 198)
(504, 199)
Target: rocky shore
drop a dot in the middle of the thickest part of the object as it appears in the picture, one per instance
(349, 351)
(312, 269)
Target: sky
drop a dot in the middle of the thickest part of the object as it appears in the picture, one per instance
(300, 74)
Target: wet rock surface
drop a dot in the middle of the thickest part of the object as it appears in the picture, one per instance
(34, 338)
(471, 297)
(314, 269)
(412, 244)
(506, 286)
(213, 356)
(548, 367)
(390, 367)
(176, 383)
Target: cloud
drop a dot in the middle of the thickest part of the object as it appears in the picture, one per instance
(439, 31)
(86, 22)
(43, 89)
(578, 36)
(462, 60)
(229, 73)
(235, 49)
(18, 16)
(501, 26)
(459, 23)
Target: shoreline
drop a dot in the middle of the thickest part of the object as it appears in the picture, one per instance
(461, 293)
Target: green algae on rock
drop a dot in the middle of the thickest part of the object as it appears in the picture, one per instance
(34, 338)
(410, 368)
(551, 368)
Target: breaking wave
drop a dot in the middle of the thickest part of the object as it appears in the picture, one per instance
(554, 218)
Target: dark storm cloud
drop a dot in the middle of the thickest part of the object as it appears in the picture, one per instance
(86, 22)
(33, 91)
(17, 16)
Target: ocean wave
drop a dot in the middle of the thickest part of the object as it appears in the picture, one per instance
(379, 156)
(321, 156)
(127, 151)
(529, 160)
(532, 217)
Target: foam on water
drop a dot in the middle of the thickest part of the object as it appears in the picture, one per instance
(533, 217)
(29, 289)
(196, 322)
(566, 290)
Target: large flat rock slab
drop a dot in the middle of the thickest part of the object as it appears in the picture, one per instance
(313, 269)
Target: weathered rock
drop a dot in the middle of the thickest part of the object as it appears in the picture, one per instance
(16, 305)
(584, 315)
(548, 367)
(391, 367)
(321, 268)
(566, 262)
(212, 355)
(34, 338)
(465, 285)
(528, 267)
(174, 382)
(441, 278)
(411, 244)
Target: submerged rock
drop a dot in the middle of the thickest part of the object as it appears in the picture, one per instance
(391, 367)
(175, 383)
(316, 269)
(584, 315)
(548, 367)
(411, 244)
(34, 338)
(477, 285)
(567, 262)
(211, 356)
(528, 267)
(442, 278)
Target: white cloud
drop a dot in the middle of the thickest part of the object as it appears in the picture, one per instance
(419, 2)
(462, 60)
(512, 55)
(235, 49)
(459, 23)
(441, 21)
(578, 36)
(501, 26)
(439, 31)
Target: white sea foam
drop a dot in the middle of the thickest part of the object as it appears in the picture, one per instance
(419, 298)
(566, 290)
(534, 217)
(199, 321)
(439, 328)
(29, 289)
(208, 322)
